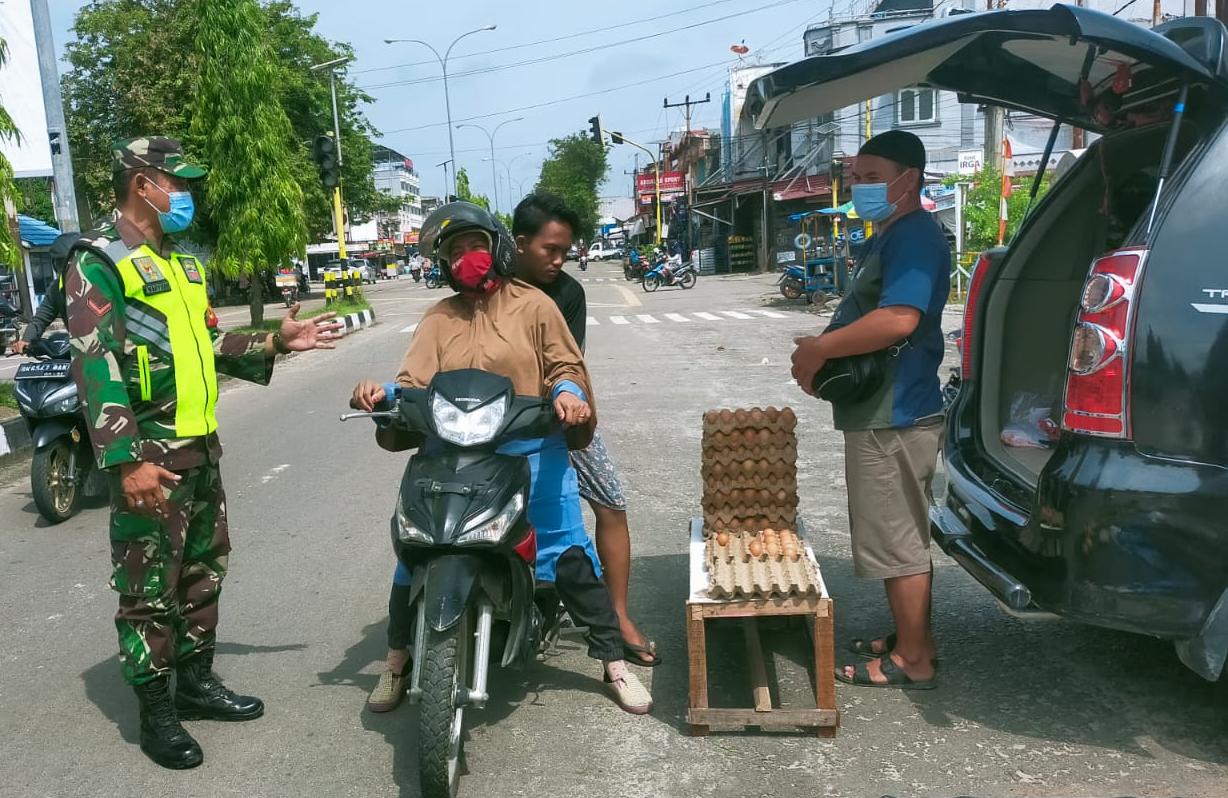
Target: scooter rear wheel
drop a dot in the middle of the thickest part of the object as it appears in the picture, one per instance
(57, 491)
(444, 682)
(687, 280)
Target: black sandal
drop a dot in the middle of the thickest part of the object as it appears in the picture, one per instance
(865, 648)
(897, 679)
(635, 654)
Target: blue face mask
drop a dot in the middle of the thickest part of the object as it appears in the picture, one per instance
(871, 203)
(182, 209)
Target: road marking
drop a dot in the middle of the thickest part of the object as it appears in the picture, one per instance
(619, 320)
(733, 314)
(273, 473)
(410, 328)
(593, 321)
(709, 316)
(676, 317)
(771, 314)
(633, 301)
(647, 319)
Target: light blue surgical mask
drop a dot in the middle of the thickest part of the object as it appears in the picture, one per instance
(870, 200)
(182, 209)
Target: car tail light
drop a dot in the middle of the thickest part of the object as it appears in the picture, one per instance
(980, 270)
(1097, 400)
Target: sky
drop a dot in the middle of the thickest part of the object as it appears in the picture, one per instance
(670, 48)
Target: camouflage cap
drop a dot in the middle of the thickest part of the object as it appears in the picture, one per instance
(160, 152)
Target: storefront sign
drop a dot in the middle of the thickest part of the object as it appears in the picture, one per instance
(412, 237)
(971, 161)
(673, 185)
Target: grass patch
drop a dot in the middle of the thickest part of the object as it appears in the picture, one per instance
(7, 397)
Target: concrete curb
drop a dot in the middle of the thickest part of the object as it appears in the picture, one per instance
(14, 437)
(356, 321)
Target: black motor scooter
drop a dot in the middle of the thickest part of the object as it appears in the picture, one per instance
(461, 528)
(63, 464)
(10, 326)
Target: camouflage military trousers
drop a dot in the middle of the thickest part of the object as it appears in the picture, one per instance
(168, 573)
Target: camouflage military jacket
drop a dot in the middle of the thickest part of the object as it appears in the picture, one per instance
(145, 358)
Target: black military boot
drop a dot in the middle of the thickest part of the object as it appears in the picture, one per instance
(162, 738)
(200, 694)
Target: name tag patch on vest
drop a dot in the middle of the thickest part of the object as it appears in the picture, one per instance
(151, 275)
(191, 269)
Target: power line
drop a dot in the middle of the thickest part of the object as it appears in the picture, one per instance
(580, 34)
(585, 51)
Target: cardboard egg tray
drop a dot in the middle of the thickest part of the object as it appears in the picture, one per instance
(749, 468)
(734, 573)
(758, 418)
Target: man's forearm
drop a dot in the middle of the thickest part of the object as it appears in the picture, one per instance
(46, 313)
(877, 330)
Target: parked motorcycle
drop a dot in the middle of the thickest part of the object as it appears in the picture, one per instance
(63, 463)
(434, 278)
(671, 272)
(461, 527)
(10, 326)
(635, 271)
(415, 271)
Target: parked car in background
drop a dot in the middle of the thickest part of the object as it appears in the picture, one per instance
(601, 250)
(1087, 450)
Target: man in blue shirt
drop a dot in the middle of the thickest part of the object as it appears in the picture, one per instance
(891, 438)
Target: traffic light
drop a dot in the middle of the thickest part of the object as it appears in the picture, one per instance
(594, 127)
(324, 152)
(616, 137)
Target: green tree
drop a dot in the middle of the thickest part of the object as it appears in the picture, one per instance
(465, 193)
(982, 207)
(10, 252)
(134, 72)
(574, 169)
(36, 201)
(251, 192)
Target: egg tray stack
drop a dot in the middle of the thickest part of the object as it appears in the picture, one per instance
(749, 469)
(742, 565)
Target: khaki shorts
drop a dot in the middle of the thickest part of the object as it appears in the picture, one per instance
(889, 473)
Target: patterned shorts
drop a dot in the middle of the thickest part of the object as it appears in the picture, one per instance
(598, 479)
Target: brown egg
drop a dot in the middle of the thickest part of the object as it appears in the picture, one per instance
(749, 437)
(769, 531)
(788, 415)
(773, 415)
(773, 550)
(725, 416)
(740, 416)
(794, 555)
(710, 417)
(722, 538)
(757, 417)
(755, 548)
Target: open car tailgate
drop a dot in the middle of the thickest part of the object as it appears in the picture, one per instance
(1066, 63)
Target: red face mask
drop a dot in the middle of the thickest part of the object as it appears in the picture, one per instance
(473, 273)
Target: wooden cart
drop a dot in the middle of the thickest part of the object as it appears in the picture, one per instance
(700, 608)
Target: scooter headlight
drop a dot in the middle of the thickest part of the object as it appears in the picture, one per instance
(471, 428)
(495, 529)
(62, 401)
(407, 532)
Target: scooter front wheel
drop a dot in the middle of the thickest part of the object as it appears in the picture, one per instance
(651, 283)
(444, 681)
(56, 489)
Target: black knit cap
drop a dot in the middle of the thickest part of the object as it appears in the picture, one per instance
(898, 146)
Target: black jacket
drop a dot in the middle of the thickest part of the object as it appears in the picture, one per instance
(52, 308)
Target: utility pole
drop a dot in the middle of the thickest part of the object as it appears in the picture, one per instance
(868, 133)
(1200, 8)
(687, 104)
(1157, 13)
(445, 180)
(63, 190)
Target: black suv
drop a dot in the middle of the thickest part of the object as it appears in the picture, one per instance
(1087, 452)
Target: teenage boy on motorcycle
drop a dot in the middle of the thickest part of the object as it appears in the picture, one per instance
(508, 327)
(543, 226)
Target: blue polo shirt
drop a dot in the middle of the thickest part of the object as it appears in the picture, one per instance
(910, 266)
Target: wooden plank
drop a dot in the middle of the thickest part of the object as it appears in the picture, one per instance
(825, 665)
(758, 669)
(805, 718)
(697, 651)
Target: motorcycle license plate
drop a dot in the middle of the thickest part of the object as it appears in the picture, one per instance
(42, 370)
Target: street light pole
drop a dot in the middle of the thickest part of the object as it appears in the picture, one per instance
(447, 100)
(338, 205)
(490, 135)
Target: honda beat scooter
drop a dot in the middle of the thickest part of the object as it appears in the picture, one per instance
(461, 528)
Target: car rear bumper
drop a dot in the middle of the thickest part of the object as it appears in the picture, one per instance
(1113, 539)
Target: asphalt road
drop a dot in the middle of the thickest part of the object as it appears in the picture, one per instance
(1023, 708)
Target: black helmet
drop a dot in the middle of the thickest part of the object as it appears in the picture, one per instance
(460, 217)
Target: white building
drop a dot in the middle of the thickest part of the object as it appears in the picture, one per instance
(395, 176)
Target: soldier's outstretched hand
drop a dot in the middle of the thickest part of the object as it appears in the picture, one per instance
(315, 333)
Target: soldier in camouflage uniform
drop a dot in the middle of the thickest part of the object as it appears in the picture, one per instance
(146, 358)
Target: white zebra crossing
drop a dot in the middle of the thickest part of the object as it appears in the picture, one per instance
(642, 319)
